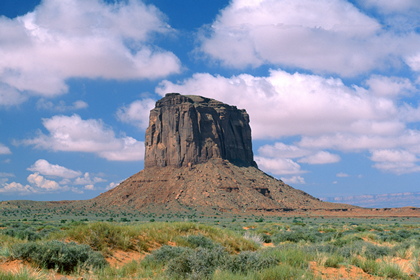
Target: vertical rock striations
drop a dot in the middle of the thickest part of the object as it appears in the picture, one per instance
(189, 129)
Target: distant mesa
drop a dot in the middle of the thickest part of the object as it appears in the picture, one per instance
(199, 156)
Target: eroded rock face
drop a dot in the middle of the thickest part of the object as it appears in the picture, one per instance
(188, 129)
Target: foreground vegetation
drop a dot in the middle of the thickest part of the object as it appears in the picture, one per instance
(235, 247)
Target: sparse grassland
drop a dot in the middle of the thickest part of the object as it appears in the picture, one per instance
(195, 246)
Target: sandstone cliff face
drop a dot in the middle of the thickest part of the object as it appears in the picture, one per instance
(186, 129)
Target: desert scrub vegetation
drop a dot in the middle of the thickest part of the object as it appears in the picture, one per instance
(214, 262)
(29, 232)
(105, 236)
(232, 248)
(64, 257)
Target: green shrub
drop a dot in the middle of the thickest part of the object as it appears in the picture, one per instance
(398, 236)
(195, 241)
(184, 262)
(197, 264)
(291, 254)
(392, 271)
(362, 228)
(104, 236)
(284, 271)
(266, 238)
(65, 257)
(6, 242)
(374, 252)
(165, 253)
(101, 236)
(346, 240)
(368, 266)
(334, 261)
(320, 248)
(23, 233)
(297, 236)
(250, 261)
(28, 232)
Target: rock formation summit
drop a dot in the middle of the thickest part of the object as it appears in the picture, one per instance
(189, 129)
(199, 156)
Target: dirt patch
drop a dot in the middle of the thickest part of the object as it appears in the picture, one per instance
(247, 228)
(11, 266)
(374, 242)
(406, 265)
(171, 243)
(342, 272)
(120, 258)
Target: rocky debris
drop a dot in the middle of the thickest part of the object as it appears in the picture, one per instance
(214, 185)
(186, 129)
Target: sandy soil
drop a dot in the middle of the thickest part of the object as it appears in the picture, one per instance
(343, 272)
(120, 258)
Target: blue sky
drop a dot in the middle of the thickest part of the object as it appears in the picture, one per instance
(331, 87)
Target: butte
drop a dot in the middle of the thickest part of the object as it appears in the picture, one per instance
(199, 157)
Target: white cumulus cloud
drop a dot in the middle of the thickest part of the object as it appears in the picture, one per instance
(395, 161)
(137, 113)
(111, 186)
(61, 106)
(321, 157)
(4, 150)
(407, 139)
(281, 159)
(45, 168)
(284, 104)
(393, 156)
(294, 180)
(73, 134)
(75, 38)
(43, 183)
(342, 175)
(278, 166)
(326, 36)
(10, 96)
(88, 180)
(414, 62)
(90, 187)
(14, 187)
(39, 183)
(389, 86)
(280, 149)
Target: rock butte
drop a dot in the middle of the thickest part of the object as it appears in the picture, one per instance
(188, 129)
(199, 156)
